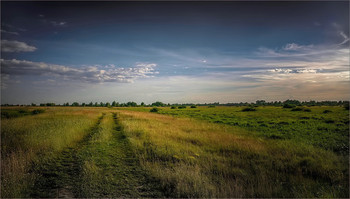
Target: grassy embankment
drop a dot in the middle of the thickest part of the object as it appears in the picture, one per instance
(194, 158)
(28, 140)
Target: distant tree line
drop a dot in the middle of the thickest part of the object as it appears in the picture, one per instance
(161, 104)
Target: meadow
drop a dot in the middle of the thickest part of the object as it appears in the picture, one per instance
(190, 152)
(326, 127)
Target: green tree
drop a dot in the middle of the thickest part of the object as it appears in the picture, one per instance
(158, 104)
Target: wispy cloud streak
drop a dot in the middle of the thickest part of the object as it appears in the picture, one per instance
(92, 74)
(16, 46)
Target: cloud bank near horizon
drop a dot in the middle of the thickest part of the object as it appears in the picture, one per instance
(89, 74)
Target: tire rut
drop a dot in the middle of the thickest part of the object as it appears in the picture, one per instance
(57, 177)
(119, 173)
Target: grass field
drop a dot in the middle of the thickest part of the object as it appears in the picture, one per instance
(325, 127)
(202, 152)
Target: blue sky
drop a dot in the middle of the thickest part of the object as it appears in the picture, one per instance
(174, 52)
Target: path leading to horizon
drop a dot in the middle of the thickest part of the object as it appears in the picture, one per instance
(101, 165)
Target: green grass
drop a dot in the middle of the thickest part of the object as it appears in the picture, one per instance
(31, 139)
(72, 152)
(110, 169)
(201, 152)
(7, 113)
(194, 158)
(328, 130)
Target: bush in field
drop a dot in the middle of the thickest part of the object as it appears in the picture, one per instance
(288, 106)
(37, 111)
(248, 109)
(154, 110)
(297, 109)
(193, 106)
(327, 111)
(173, 107)
(307, 110)
(22, 111)
(180, 107)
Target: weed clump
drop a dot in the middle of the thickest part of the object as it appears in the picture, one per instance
(154, 110)
(329, 121)
(248, 109)
(181, 107)
(288, 106)
(173, 107)
(37, 111)
(193, 106)
(327, 111)
(297, 109)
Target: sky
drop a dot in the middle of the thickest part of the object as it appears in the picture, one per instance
(174, 52)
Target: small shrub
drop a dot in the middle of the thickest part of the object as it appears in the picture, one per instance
(22, 111)
(288, 106)
(248, 109)
(329, 121)
(275, 137)
(327, 111)
(173, 107)
(193, 106)
(297, 109)
(307, 110)
(37, 111)
(181, 107)
(154, 110)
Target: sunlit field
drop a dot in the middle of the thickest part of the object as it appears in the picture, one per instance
(189, 152)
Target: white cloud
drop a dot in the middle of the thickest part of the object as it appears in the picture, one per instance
(346, 38)
(9, 32)
(58, 23)
(294, 46)
(293, 70)
(16, 46)
(93, 74)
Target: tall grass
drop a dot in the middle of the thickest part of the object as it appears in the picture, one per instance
(32, 139)
(329, 131)
(199, 159)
